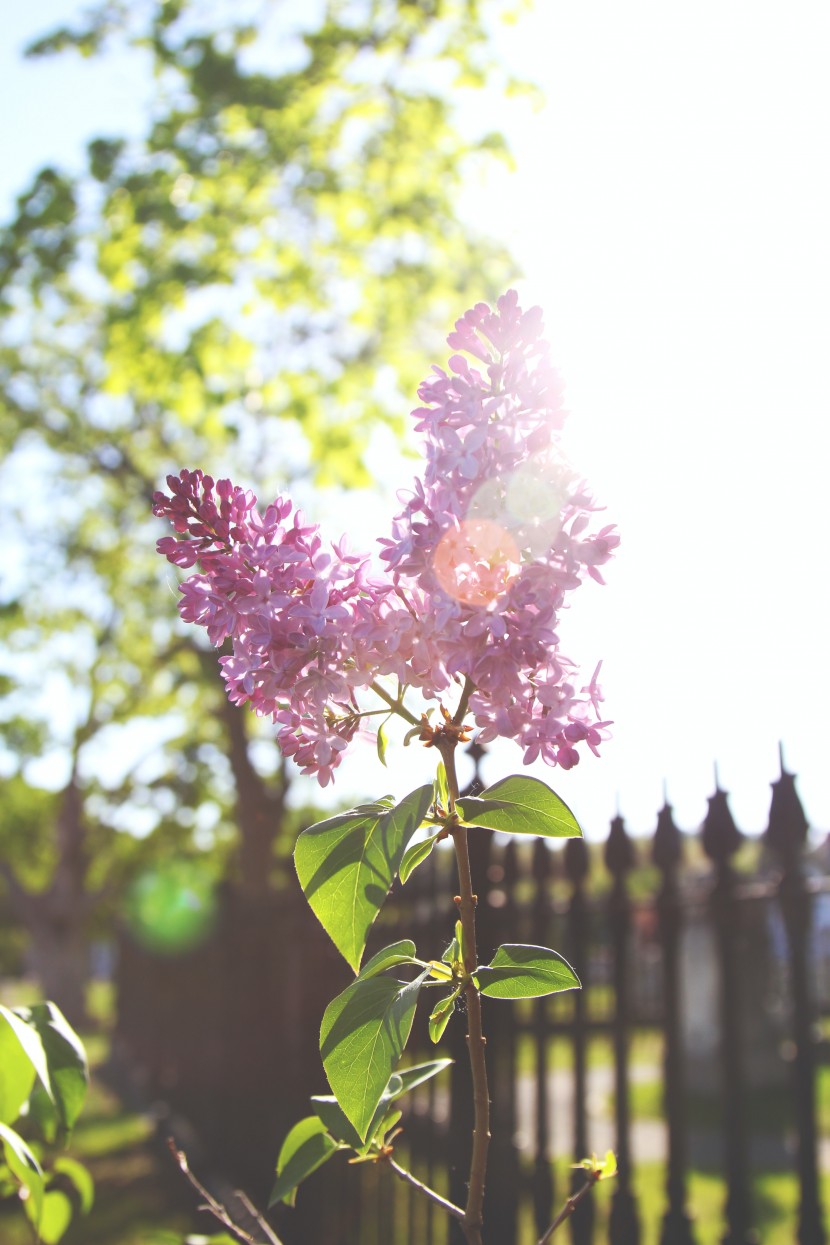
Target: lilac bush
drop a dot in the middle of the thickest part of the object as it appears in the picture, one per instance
(460, 609)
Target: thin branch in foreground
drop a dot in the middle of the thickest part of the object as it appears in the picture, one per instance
(446, 1205)
(220, 1212)
(570, 1206)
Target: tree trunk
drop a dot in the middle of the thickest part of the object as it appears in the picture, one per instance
(58, 957)
(259, 809)
(56, 918)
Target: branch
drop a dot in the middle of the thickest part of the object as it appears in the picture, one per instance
(466, 900)
(570, 1206)
(449, 1207)
(215, 1208)
(396, 706)
(467, 692)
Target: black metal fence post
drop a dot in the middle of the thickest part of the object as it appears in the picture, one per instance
(619, 859)
(721, 839)
(576, 868)
(786, 835)
(542, 1183)
(666, 853)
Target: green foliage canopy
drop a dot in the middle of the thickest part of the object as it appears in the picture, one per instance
(254, 286)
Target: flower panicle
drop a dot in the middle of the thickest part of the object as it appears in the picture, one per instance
(491, 540)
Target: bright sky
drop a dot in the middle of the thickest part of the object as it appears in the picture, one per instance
(670, 210)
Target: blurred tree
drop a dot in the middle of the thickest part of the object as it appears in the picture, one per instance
(254, 288)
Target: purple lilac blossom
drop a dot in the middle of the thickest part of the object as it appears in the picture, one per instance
(470, 585)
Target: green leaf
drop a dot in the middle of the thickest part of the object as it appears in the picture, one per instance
(346, 865)
(386, 1125)
(452, 955)
(382, 741)
(521, 805)
(397, 953)
(23, 1165)
(459, 941)
(362, 1037)
(442, 786)
(520, 972)
(330, 1113)
(609, 1166)
(67, 1069)
(79, 1176)
(43, 1115)
(420, 1072)
(54, 1218)
(440, 1017)
(306, 1148)
(417, 854)
(337, 1124)
(17, 1072)
(29, 1041)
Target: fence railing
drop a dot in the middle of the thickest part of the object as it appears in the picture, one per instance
(708, 981)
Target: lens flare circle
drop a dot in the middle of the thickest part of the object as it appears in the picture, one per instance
(172, 909)
(528, 503)
(476, 562)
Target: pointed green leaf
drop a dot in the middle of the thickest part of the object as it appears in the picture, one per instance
(416, 855)
(328, 1110)
(386, 1125)
(54, 1218)
(609, 1166)
(362, 1037)
(17, 1072)
(43, 1114)
(382, 741)
(397, 953)
(79, 1177)
(400, 1083)
(453, 952)
(346, 865)
(440, 1017)
(68, 1072)
(442, 786)
(29, 1041)
(520, 972)
(440, 971)
(23, 1165)
(306, 1148)
(521, 805)
(332, 1115)
(459, 939)
(420, 1072)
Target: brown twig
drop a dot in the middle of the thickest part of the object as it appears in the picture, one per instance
(473, 1213)
(397, 706)
(446, 1205)
(220, 1212)
(570, 1206)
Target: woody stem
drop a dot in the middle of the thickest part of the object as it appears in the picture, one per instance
(473, 1216)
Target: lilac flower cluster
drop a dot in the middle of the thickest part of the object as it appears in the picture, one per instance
(473, 578)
